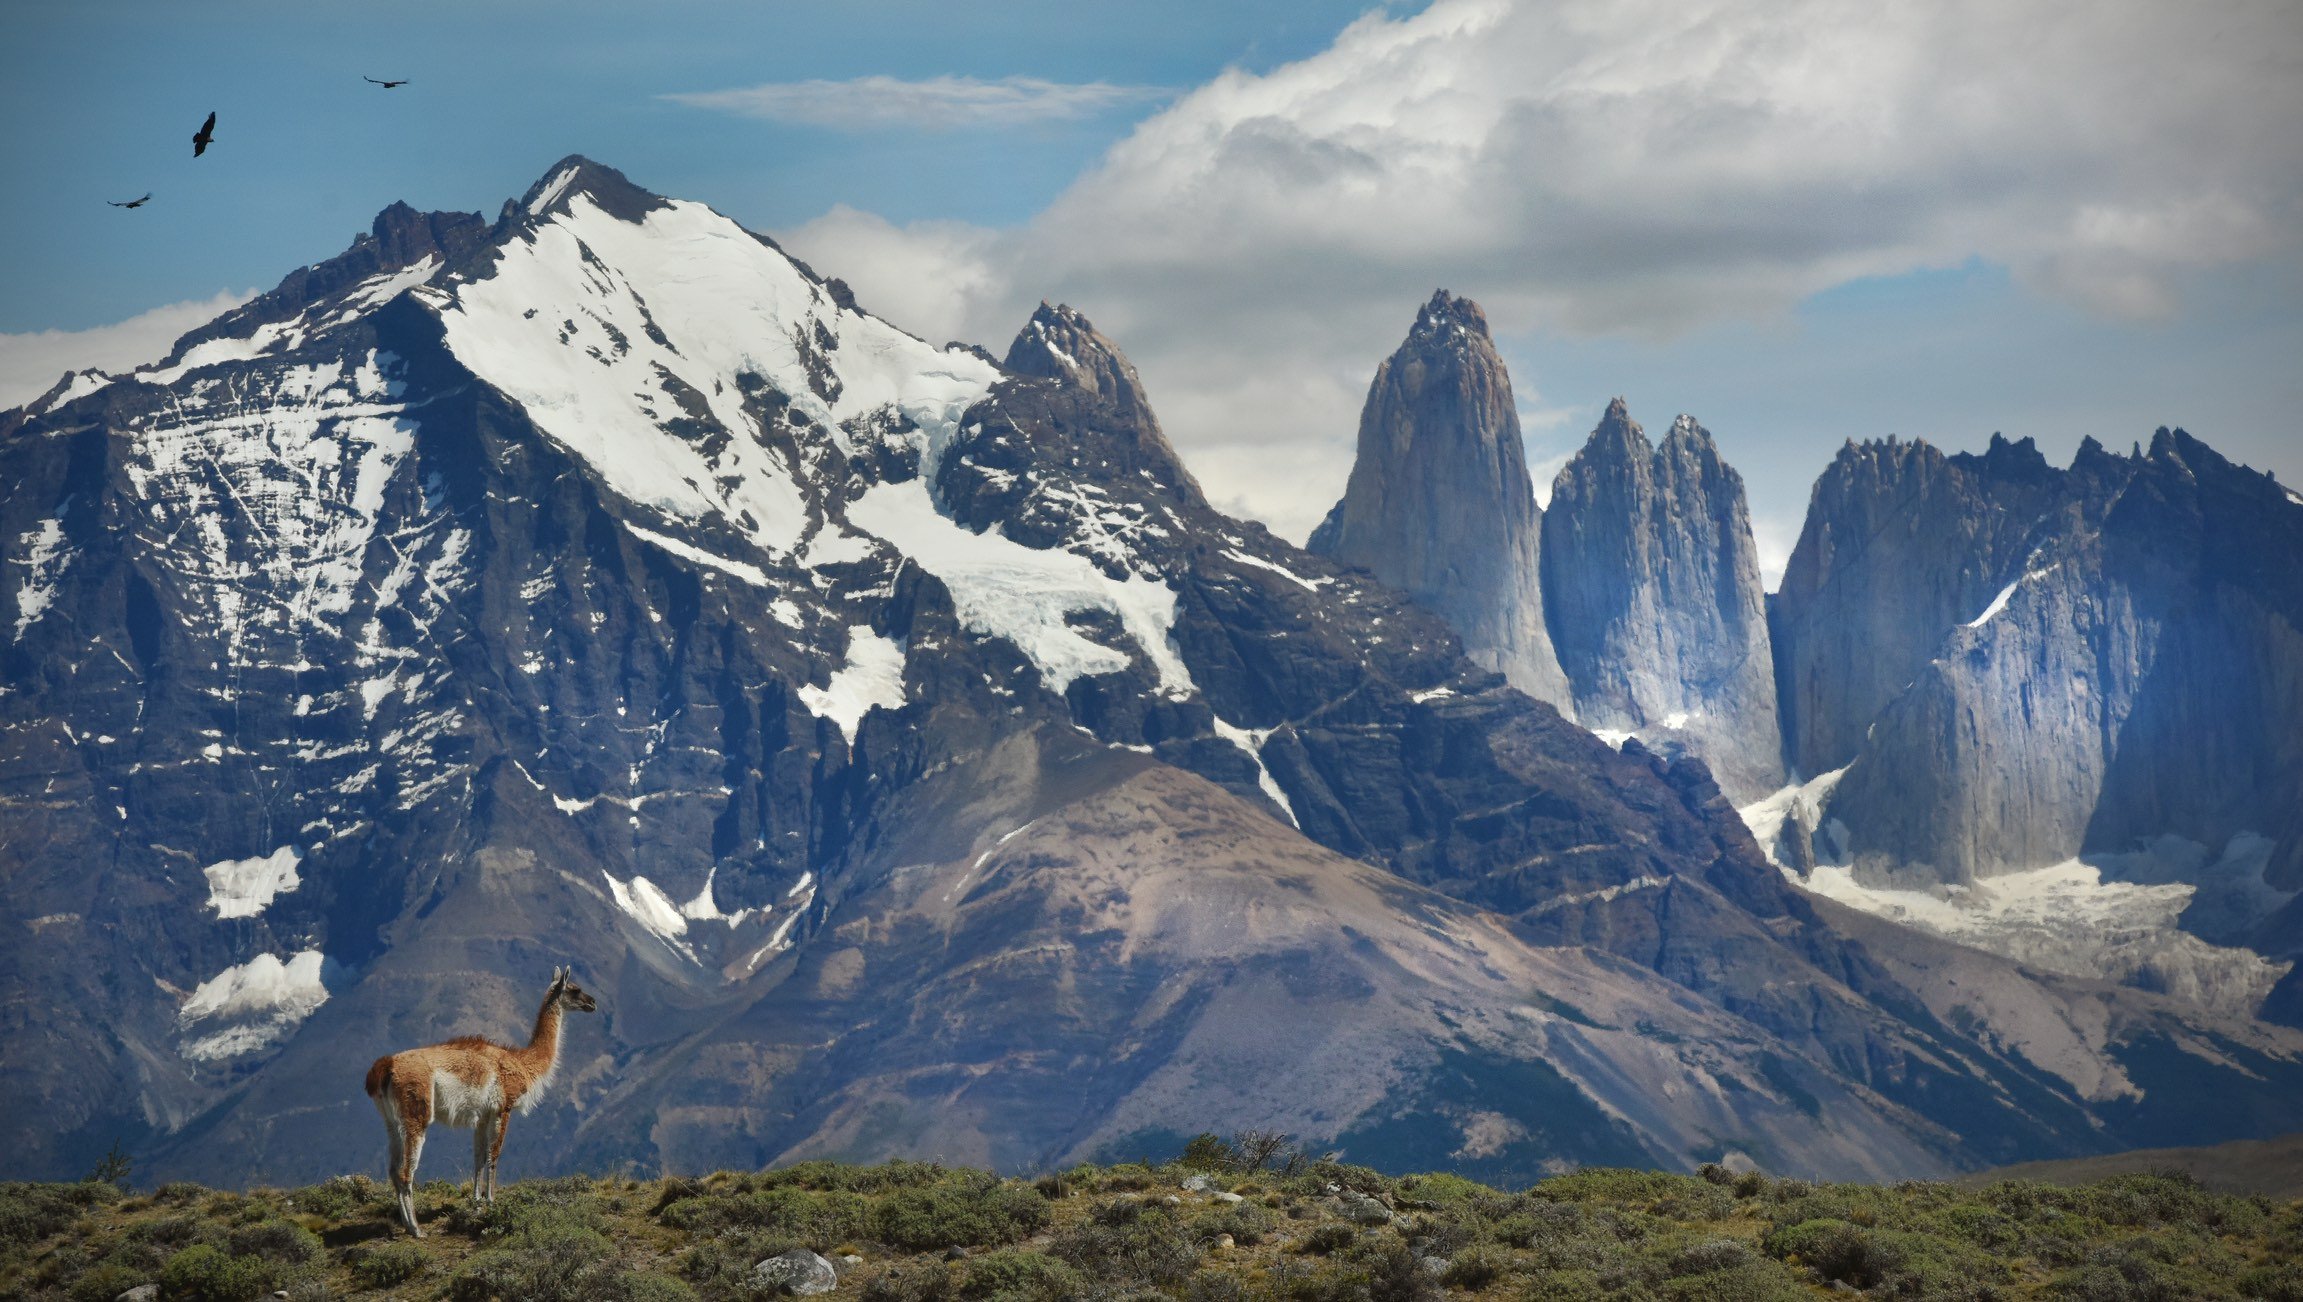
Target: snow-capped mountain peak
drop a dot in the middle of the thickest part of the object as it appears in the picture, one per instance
(693, 365)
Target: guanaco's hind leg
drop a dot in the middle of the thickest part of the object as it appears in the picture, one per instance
(413, 1103)
(496, 1149)
(404, 1180)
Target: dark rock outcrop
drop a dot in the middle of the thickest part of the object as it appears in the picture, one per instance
(1651, 588)
(1440, 505)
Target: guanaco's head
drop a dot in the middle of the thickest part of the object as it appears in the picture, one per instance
(567, 994)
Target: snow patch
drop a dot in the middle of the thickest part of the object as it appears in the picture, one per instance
(751, 574)
(243, 888)
(44, 562)
(872, 676)
(1308, 585)
(1007, 590)
(1767, 815)
(1999, 603)
(264, 999)
(552, 189)
(658, 914)
(1250, 741)
(645, 903)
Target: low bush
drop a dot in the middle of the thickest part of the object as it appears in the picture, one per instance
(920, 1219)
(1475, 1268)
(204, 1273)
(1012, 1276)
(31, 1212)
(921, 1281)
(1246, 1223)
(387, 1264)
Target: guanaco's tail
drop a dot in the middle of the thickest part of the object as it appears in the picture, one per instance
(379, 1076)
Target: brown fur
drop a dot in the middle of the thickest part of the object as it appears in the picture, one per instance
(469, 1081)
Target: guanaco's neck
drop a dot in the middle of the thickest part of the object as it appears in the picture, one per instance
(543, 1050)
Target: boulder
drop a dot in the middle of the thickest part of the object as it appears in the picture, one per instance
(799, 1272)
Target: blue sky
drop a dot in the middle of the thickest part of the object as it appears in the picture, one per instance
(104, 97)
(1801, 220)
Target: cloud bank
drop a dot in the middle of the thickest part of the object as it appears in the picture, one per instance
(937, 103)
(1618, 166)
(30, 364)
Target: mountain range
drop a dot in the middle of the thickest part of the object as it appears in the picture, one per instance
(913, 761)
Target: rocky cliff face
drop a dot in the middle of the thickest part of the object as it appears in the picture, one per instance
(1652, 591)
(2136, 673)
(1901, 544)
(897, 742)
(1440, 505)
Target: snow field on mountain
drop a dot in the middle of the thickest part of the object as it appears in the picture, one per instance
(263, 999)
(273, 484)
(2070, 917)
(244, 888)
(872, 676)
(44, 560)
(613, 333)
(1004, 589)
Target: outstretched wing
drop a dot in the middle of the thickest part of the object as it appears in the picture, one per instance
(206, 133)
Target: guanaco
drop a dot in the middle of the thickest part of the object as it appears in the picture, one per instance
(471, 1082)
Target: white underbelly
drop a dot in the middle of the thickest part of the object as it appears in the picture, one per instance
(455, 1103)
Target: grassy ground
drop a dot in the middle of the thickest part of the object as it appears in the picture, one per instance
(1327, 1231)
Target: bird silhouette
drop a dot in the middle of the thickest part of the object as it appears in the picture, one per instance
(385, 84)
(132, 203)
(207, 133)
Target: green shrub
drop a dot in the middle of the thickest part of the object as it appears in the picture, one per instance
(282, 1242)
(1752, 1281)
(203, 1273)
(919, 1281)
(105, 1281)
(337, 1199)
(1334, 1236)
(1136, 1247)
(1246, 1223)
(818, 1220)
(2281, 1282)
(1475, 1268)
(1833, 1249)
(1012, 1276)
(547, 1265)
(919, 1220)
(31, 1212)
(1379, 1268)
(387, 1264)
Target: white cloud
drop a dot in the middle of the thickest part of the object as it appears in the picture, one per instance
(936, 103)
(32, 363)
(1597, 166)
